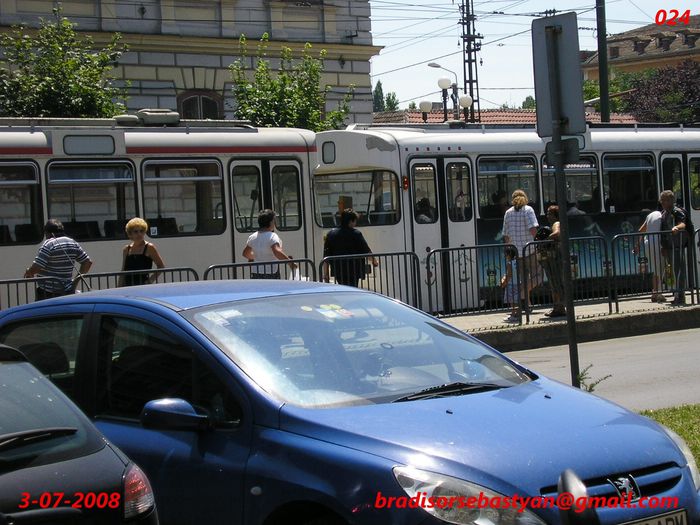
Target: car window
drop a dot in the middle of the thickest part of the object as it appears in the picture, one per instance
(51, 345)
(28, 403)
(140, 362)
(350, 348)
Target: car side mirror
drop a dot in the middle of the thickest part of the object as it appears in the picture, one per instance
(173, 414)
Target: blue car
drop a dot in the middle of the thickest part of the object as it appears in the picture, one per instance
(295, 403)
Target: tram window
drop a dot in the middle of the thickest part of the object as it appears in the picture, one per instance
(183, 198)
(582, 187)
(425, 194)
(694, 173)
(671, 178)
(20, 205)
(629, 183)
(498, 178)
(285, 197)
(459, 192)
(91, 197)
(247, 200)
(374, 195)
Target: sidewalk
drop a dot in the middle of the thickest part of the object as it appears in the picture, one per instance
(637, 316)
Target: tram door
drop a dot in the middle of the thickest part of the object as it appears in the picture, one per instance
(693, 206)
(257, 185)
(443, 218)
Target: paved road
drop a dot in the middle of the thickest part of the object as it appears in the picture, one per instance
(649, 371)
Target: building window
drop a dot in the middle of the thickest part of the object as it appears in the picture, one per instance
(20, 204)
(200, 105)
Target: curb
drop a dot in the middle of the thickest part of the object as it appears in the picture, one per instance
(611, 326)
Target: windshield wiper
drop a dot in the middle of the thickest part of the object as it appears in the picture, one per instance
(27, 437)
(448, 389)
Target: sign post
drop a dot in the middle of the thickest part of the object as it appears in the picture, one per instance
(560, 112)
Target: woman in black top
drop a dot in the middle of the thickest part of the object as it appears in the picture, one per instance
(346, 240)
(139, 255)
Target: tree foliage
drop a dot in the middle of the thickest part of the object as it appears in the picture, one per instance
(529, 103)
(619, 82)
(391, 102)
(290, 97)
(54, 72)
(669, 94)
(413, 106)
(378, 103)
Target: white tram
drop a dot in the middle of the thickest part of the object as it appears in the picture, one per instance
(421, 188)
(198, 184)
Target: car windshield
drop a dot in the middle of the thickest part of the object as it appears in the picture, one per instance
(38, 424)
(321, 350)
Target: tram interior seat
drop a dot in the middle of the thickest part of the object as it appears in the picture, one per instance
(115, 228)
(382, 217)
(5, 237)
(27, 232)
(328, 220)
(82, 230)
(164, 225)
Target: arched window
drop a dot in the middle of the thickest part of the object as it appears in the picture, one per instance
(200, 105)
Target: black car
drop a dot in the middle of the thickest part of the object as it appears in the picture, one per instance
(55, 466)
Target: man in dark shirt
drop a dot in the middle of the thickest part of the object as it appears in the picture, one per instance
(346, 240)
(675, 220)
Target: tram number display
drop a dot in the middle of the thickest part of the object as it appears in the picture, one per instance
(672, 17)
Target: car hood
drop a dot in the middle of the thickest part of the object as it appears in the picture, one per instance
(513, 440)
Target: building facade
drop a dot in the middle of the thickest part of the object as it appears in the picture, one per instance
(648, 47)
(180, 50)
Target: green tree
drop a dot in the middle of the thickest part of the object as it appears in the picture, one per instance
(291, 97)
(391, 103)
(56, 73)
(619, 82)
(413, 106)
(378, 103)
(669, 94)
(529, 103)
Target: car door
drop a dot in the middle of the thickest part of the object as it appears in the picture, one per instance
(197, 477)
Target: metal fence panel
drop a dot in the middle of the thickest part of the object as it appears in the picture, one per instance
(305, 270)
(106, 280)
(591, 271)
(16, 292)
(650, 263)
(468, 279)
(395, 274)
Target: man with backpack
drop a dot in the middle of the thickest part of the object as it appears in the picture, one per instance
(675, 220)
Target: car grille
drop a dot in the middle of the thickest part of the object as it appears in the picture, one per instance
(651, 481)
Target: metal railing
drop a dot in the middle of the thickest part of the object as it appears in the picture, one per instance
(105, 280)
(591, 272)
(395, 274)
(469, 279)
(651, 263)
(16, 292)
(305, 270)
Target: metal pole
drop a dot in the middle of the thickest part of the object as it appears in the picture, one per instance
(552, 35)
(602, 61)
(444, 105)
(455, 99)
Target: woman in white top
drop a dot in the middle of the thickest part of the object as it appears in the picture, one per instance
(519, 228)
(265, 246)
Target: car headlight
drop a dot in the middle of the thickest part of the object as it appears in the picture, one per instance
(685, 449)
(427, 487)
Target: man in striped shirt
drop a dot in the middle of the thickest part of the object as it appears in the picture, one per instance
(56, 258)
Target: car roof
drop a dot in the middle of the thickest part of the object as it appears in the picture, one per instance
(193, 294)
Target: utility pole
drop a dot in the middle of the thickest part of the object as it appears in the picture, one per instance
(471, 44)
(602, 61)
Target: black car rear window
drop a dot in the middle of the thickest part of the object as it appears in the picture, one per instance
(29, 402)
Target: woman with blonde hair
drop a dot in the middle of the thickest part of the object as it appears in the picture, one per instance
(139, 255)
(519, 228)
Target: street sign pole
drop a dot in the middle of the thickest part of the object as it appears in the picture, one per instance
(552, 34)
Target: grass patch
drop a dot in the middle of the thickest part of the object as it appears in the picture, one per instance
(684, 421)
